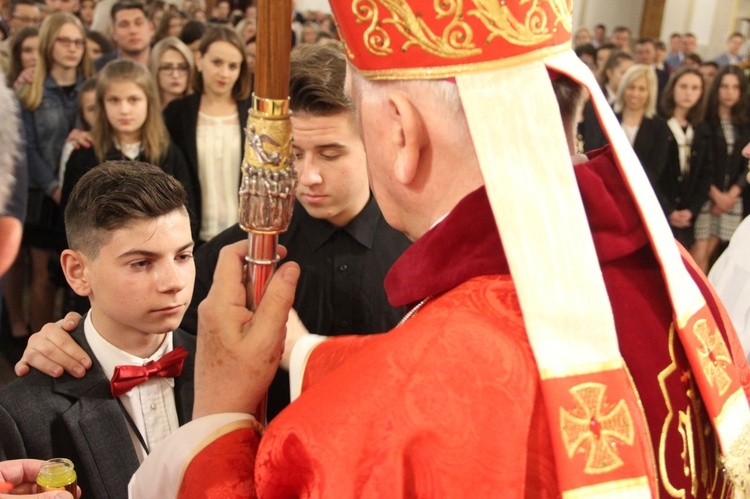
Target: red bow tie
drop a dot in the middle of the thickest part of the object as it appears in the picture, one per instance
(126, 378)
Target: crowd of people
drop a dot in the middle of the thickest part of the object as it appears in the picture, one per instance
(549, 339)
(176, 94)
(688, 121)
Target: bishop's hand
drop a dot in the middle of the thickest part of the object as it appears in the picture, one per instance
(238, 351)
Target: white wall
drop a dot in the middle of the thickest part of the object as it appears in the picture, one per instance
(708, 19)
(589, 13)
(321, 5)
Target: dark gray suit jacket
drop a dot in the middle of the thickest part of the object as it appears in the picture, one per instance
(43, 417)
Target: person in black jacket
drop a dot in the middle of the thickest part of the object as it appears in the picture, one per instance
(208, 127)
(609, 76)
(683, 185)
(635, 106)
(730, 131)
(129, 126)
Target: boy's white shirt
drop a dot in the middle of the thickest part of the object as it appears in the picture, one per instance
(160, 475)
(151, 405)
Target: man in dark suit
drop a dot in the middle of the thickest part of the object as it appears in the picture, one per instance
(676, 55)
(645, 53)
(131, 254)
(732, 55)
(131, 31)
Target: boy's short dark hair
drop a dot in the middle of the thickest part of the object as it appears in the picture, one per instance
(127, 5)
(192, 30)
(16, 3)
(104, 42)
(316, 82)
(115, 194)
(586, 49)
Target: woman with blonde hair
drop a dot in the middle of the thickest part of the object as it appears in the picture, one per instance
(50, 104)
(635, 107)
(246, 28)
(172, 66)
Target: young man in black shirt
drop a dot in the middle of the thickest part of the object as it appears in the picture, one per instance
(337, 235)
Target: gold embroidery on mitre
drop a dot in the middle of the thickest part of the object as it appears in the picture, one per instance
(456, 39)
(714, 356)
(536, 27)
(596, 428)
(454, 42)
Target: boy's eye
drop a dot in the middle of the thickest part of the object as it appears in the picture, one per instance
(185, 256)
(140, 264)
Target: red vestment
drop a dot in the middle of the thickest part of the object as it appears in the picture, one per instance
(449, 403)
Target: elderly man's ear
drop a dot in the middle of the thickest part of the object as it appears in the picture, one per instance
(408, 135)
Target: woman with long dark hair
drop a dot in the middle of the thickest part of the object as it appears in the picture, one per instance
(726, 116)
(682, 188)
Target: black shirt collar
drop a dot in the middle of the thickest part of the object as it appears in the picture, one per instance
(362, 227)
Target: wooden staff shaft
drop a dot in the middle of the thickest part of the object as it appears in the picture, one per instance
(274, 42)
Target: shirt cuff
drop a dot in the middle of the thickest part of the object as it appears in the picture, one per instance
(160, 474)
(298, 361)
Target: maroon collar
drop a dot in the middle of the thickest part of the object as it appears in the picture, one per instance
(466, 243)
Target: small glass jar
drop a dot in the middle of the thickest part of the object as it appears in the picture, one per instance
(57, 474)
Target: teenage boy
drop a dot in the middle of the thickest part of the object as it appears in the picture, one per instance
(131, 254)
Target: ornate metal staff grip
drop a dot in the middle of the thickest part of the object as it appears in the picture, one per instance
(266, 190)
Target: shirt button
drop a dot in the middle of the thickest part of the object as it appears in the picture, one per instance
(343, 267)
(153, 406)
(344, 323)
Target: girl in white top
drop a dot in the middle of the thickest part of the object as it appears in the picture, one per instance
(214, 118)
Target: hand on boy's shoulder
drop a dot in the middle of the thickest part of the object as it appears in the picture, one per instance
(53, 351)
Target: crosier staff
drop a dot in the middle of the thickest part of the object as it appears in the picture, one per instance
(268, 176)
